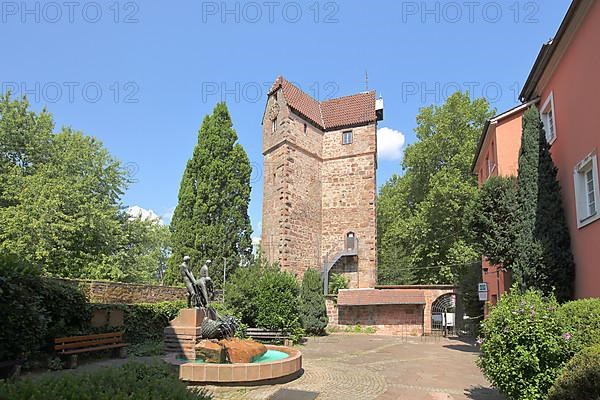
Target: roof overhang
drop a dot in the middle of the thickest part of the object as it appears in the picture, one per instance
(553, 50)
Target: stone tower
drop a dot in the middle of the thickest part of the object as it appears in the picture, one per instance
(320, 161)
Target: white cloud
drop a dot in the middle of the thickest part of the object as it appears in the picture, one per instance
(390, 144)
(144, 215)
(167, 216)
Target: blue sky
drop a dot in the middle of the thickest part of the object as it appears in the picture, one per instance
(140, 76)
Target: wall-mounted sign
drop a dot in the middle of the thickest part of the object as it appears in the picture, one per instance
(482, 289)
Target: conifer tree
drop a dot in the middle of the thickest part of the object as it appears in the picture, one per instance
(312, 303)
(211, 218)
(544, 259)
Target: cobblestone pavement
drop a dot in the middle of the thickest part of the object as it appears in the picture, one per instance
(345, 366)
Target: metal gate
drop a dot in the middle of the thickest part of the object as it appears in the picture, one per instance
(443, 315)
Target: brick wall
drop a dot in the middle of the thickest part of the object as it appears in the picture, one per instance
(126, 293)
(393, 319)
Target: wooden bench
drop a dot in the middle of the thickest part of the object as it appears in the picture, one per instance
(265, 335)
(74, 345)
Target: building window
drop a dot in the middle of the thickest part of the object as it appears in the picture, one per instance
(351, 241)
(549, 119)
(347, 137)
(274, 126)
(587, 194)
(305, 128)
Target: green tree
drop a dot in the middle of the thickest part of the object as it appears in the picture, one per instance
(544, 259)
(492, 220)
(59, 193)
(422, 237)
(211, 219)
(313, 312)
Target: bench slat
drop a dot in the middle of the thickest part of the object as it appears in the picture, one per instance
(88, 337)
(87, 343)
(77, 351)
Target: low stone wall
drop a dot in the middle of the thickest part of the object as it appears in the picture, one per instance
(389, 319)
(125, 293)
(332, 311)
(392, 319)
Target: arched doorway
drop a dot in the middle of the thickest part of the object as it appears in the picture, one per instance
(443, 315)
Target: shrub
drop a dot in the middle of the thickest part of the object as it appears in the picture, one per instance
(337, 282)
(144, 322)
(133, 381)
(34, 310)
(581, 319)
(313, 311)
(580, 378)
(523, 349)
(277, 301)
(263, 296)
(241, 292)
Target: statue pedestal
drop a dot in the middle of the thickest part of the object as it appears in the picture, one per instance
(183, 332)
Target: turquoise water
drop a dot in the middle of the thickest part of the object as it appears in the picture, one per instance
(270, 355)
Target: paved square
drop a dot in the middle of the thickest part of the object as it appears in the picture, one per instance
(346, 366)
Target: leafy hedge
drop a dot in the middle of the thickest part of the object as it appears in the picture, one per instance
(580, 378)
(581, 319)
(132, 381)
(34, 310)
(263, 296)
(523, 349)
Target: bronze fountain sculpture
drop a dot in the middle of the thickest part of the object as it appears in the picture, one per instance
(200, 293)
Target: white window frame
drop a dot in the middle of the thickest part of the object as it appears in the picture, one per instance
(350, 135)
(544, 111)
(584, 217)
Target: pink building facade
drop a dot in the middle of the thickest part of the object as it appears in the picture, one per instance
(564, 85)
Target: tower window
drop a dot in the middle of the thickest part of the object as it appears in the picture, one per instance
(274, 126)
(347, 137)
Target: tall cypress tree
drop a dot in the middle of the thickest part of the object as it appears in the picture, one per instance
(544, 259)
(211, 218)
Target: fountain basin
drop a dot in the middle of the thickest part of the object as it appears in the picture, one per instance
(259, 371)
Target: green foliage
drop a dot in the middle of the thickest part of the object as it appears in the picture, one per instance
(60, 201)
(580, 378)
(468, 291)
(262, 296)
(421, 234)
(337, 282)
(277, 301)
(581, 319)
(33, 310)
(544, 259)
(131, 381)
(144, 322)
(491, 220)
(313, 311)
(523, 349)
(147, 349)
(211, 219)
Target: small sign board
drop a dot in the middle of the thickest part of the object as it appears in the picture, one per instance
(482, 289)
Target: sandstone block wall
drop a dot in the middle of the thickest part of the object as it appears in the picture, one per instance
(316, 191)
(125, 293)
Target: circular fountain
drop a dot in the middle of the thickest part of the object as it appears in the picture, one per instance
(200, 342)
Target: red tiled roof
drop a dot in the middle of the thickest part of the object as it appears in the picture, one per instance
(371, 297)
(351, 110)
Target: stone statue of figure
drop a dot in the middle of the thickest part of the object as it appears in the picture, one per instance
(201, 291)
